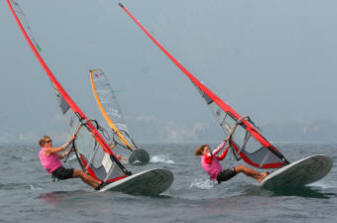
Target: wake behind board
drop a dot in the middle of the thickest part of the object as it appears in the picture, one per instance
(148, 182)
(299, 173)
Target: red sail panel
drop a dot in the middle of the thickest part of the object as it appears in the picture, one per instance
(110, 158)
(266, 155)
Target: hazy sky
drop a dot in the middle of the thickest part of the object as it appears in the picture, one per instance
(273, 60)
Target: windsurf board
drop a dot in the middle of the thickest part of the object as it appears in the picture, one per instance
(148, 182)
(300, 172)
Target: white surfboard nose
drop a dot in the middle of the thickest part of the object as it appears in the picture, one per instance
(300, 172)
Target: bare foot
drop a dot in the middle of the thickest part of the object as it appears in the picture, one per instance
(261, 176)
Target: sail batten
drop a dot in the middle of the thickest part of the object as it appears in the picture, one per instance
(246, 141)
(88, 138)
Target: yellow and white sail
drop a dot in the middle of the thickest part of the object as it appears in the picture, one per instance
(109, 107)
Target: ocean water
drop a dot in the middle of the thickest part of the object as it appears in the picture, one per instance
(28, 194)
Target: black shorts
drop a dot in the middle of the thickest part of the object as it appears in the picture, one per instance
(226, 175)
(63, 173)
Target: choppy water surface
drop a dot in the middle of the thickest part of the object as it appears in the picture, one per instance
(27, 193)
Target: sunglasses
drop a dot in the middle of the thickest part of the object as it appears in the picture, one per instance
(48, 141)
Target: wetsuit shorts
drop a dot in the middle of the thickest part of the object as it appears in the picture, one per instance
(226, 174)
(63, 173)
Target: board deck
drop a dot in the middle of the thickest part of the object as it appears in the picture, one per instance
(300, 172)
(148, 182)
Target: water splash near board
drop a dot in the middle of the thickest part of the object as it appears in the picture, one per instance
(161, 159)
(202, 184)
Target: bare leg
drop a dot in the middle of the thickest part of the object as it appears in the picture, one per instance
(86, 178)
(250, 172)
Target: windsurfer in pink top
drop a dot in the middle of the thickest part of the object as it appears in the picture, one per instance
(50, 160)
(210, 163)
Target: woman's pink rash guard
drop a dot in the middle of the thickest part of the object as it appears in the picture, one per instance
(51, 162)
(213, 167)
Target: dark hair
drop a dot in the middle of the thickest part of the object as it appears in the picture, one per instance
(198, 151)
(43, 140)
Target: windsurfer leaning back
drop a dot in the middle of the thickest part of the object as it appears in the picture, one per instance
(210, 163)
(50, 160)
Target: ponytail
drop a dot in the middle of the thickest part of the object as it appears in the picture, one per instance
(198, 151)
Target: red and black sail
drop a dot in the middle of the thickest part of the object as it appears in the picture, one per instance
(95, 154)
(247, 142)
